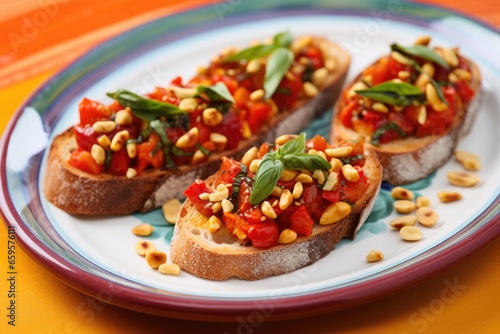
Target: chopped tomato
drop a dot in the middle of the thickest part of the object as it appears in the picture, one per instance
(119, 162)
(232, 221)
(346, 115)
(193, 192)
(241, 97)
(244, 197)
(317, 143)
(351, 192)
(149, 153)
(301, 221)
(331, 196)
(262, 235)
(228, 171)
(313, 200)
(92, 111)
(85, 136)
(314, 54)
(283, 220)
(258, 114)
(287, 92)
(231, 128)
(254, 215)
(84, 161)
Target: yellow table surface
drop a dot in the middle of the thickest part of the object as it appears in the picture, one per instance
(45, 305)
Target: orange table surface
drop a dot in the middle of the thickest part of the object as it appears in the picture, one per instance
(45, 305)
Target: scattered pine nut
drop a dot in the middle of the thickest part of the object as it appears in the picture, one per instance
(449, 196)
(462, 179)
(403, 221)
(155, 258)
(143, 230)
(404, 206)
(422, 201)
(427, 217)
(169, 269)
(402, 193)
(144, 246)
(470, 161)
(374, 256)
(171, 210)
(410, 233)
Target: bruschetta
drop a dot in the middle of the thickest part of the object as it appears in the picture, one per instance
(136, 152)
(411, 106)
(284, 206)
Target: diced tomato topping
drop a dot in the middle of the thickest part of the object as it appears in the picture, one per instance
(84, 161)
(119, 162)
(231, 128)
(262, 235)
(301, 221)
(244, 197)
(258, 114)
(287, 92)
(92, 111)
(85, 136)
(317, 143)
(228, 171)
(232, 221)
(331, 196)
(313, 200)
(149, 154)
(193, 192)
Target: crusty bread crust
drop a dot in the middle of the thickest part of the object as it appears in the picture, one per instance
(81, 193)
(220, 256)
(409, 160)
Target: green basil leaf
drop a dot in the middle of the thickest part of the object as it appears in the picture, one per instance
(395, 93)
(216, 93)
(268, 173)
(283, 39)
(144, 108)
(296, 145)
(375, 140)
(237, 180)
(420, 51)
(253, 52)
(157, 126)
(277, 65)
(305, 161)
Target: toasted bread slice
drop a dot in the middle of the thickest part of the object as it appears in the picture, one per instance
(411, 159)
(78, 192)
(220, 256)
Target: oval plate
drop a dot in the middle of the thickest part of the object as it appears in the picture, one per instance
(96, 255)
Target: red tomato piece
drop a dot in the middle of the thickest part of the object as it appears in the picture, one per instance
(262, 235)
(331, 196)
(231, 127)
(85, 136)
(83, 161)
(145, 156)
(92, 111)
(259, 113)
(313, 200)
(119, 162)
(194, 191)
(283, 220)
(301, 221)
(244, 197)
(317, 143)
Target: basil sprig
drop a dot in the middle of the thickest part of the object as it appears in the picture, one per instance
(395, 93)
(145, 108)
(291, 155)
(279, 61)
(420, 51)
(218, 94)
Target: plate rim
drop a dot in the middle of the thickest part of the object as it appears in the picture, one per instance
(213, 308)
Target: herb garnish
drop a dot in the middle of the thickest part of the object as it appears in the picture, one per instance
(395, 93)
(218, 94)
(279, 61)
(292, 156)
(144, 108)
(420, 51)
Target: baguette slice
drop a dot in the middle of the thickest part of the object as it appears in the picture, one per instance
(77, 192)
(219, 256)
(411, 159)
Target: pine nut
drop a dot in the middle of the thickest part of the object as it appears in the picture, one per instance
(300, 43)
(350, 173)
(309, 89)
(276, 192)
(282, 140)
(422, 40)
(212, 117)
(422, 201)
(449, 196)
(338, 152)
(227, 206)
(181, 92)
(336, 164)
(402, 193)
(304, 178)
(463, 74)
(422, 81)
(216, 207)
(169, 269)
(104, 141)
(433, 98)
(257, 95)
(250, 156)
(171, 209)
(404, 206)
(286, 199)
(219, 141)
(214, 224)
(335, 212)
(189, 139)
(156, 258)
(204, 196)
(450, 57)
(104, 126)
(253, 66)
(429, 69)
(130, 173)
(98, 154)
(124, 117)
(247, 132)
(188, 105)
(144, 246)
(119, 140)
(452, 77)
(287, 236)
(403, 221)
(470, 161)
(198, 157)
(268, 210)
(298, 188)
(254, 165)
(427, 217)
(422, 115)
(410, 233)
(221, 193)
(380, 107)
(403, 75)
(374, 256)
(143, 230)
(331, 181)
(400, 58)
(319, 176)
(288, 175)
(319, 76)
(331, 64)
(357, 86)
(238, 232)
(462, 179)
(131, 148)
